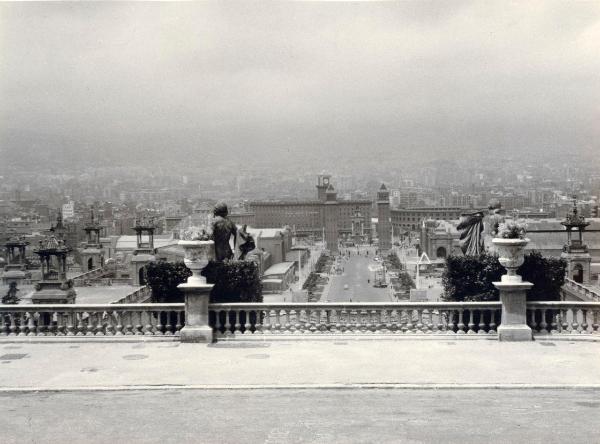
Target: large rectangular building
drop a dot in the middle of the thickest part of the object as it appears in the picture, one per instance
(308, 217)
(410, 219)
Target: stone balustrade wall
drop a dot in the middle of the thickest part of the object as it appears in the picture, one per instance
(429, 318)
(287, 320)
(560, 318)
(92, 320)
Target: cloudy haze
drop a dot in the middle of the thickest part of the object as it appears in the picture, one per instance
(264, 78)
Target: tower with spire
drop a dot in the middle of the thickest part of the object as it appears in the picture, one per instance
(575, 252)
(144, 252)
(332, 215)
(384, 227)
(92, 254)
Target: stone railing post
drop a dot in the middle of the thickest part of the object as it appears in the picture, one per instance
(513, 291)
(196, 327)
(197, 291)
(513, 297)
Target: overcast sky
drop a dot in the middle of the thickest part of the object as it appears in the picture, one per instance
(263, 77)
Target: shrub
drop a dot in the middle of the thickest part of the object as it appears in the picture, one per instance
(235, 281)
(164, 277)
(394, 261)
(470, 278)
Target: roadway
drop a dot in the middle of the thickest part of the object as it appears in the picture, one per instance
(302, 416)
(356, 274)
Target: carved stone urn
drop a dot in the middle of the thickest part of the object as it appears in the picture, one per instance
(197, 255)
(511, 256)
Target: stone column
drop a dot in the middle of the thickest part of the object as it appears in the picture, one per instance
(196, 327)
(514, 311)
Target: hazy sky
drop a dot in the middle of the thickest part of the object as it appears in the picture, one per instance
(185, 78)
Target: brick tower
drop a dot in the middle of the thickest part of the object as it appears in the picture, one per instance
(384, 229)
(323, 182)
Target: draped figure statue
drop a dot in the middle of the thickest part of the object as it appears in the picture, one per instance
(471, 233)
(473, 230)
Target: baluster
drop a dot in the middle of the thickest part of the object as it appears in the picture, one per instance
(584, 324)
(13, 325)
(70, 327)
(129, 325)
(168, 325)
(40, 327)
(333, 320)
(450, 322)
(530, 313)
(296, 326)
(22, 324)
(481, 326)
(409, 324)
(341, 326)
(493, 323)
(227, 331)
(269, 320)
(377, 316)
(248, 324)
(258, 323)
(139, 326)
(554, 326)
(595, 324)
(159, 327)
(429, 326)
(116, 328)
(575, 323)
(543, 323)
(236, 321)
(30, 324)
(149, 329)
(58, 329)
(309, 326)
(274, 322)
(100, 323)
(3, 318)
(89, 329)
(287, 327)
(565, 321)
(219, 328)
(461, 325)
(178, 322)
(442, 325)
(470, 323)
(419, 326)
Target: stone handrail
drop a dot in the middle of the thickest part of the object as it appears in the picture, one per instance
(590, 294)
(246, 319)
(92, 274)
(574, 318)
(91, 320)
(141, 295)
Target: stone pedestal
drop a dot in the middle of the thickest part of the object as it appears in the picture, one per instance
(514, 310)
(196, 313)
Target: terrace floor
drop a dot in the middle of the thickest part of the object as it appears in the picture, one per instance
(299, 364)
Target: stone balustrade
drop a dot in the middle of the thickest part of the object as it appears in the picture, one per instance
(247, 320)
(428, 318)
(92, 320)
(581, 290)
(141, 295)
(556, 318)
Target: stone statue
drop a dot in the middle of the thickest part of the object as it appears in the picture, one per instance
(11, 297)
(473, 231)
(223, 229)
(248, 245)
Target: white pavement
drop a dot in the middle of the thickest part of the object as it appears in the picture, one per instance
(299, 363)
